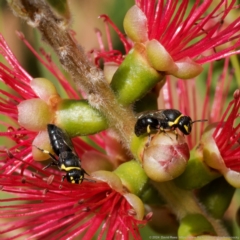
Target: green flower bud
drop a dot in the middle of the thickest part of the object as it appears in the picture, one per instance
(133, 176)
(195, 225)
(77, 118)
(134, 77)
(138, 144)
(150, 196)
(216, 196)
(197, 171)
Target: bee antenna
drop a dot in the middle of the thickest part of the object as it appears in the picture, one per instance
(200, 120)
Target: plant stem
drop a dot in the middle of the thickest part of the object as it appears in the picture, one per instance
(183, 202)
(86, 77)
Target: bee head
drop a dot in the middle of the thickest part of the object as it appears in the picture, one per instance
(185, 124)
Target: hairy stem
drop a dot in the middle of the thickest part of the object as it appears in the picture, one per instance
(183, 202)
(86, 76)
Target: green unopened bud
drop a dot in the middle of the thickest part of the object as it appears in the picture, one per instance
(216, 196)
(197, 173)
(150, 196)
(135, 24)
(186, 69)
(138, 144)
(195, 225)
(133, 176)
(135, 77)
(77, 117)
(166, 157)
(34, 114)
(159, 57)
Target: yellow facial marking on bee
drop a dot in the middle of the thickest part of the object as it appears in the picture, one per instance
(186, 127)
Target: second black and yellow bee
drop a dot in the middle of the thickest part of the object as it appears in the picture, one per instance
(67, 159)
(163, 120)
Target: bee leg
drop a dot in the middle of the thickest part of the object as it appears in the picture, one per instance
(149, 140)
(89, 180)
(63, 177)
(167, 135)
(54, 161)
(176, 135)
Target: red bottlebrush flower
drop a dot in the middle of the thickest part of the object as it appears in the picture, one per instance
(63, 211)
(29, 93)
(227, 135)
(110, 54)
(191, 35)
(55, 208)
(176, 42)
(222, 145)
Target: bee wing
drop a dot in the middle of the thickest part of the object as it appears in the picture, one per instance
(66, 139)
(152, 113)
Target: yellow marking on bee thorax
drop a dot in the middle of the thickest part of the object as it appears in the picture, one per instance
(148, 129)
(175, 121)
(63, 167)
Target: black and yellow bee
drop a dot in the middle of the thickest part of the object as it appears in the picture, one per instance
(163, 120)
(67, 159)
